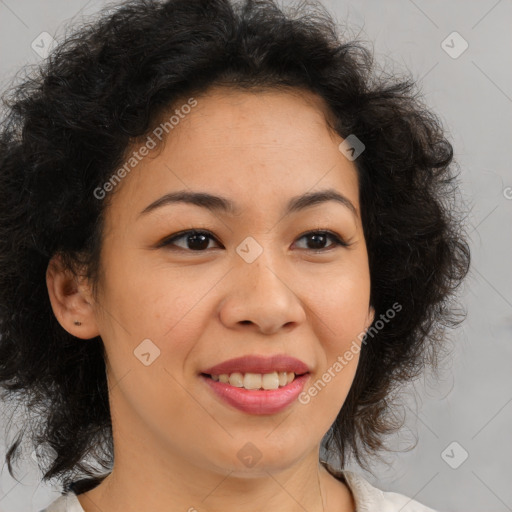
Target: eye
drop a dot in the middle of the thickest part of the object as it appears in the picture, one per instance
(194, 240)
(199, 240)
(319, 238)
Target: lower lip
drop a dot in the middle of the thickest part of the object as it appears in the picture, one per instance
(258, 401)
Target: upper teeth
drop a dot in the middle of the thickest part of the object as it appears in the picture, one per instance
(256, 380)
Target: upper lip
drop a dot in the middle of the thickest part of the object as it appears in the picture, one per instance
(259, 364)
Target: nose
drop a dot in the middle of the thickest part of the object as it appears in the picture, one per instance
(260, 298)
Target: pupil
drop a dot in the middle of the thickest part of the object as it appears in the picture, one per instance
(203, 243)
(318, 238)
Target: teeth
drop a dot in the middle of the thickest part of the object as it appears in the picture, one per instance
(272, 380)
(250, 381)
(236, 379)
(269, 381)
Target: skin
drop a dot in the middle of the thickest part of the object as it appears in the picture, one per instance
(175, 442)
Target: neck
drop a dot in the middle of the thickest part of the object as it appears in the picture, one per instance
(305, 487)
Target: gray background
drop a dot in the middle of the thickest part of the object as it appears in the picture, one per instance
(471, 404)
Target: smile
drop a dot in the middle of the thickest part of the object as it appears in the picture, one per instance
(249, 380)
(256, 400)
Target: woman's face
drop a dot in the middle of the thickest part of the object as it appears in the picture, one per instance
(255, 285)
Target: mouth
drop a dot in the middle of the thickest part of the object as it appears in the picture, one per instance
(255, 381)
(256, 399)
(257, 384)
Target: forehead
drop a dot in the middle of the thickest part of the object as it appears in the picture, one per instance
(248, 145)
(283, 116)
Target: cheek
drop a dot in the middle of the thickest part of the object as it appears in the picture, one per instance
(153, 329)
(341, 303)
(324, 395)
(340, 307)
(143, 300)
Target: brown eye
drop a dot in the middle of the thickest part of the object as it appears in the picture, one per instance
(193, 240)
(318, 239)
(199, 241)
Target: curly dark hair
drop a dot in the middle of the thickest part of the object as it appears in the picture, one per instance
(68, 126)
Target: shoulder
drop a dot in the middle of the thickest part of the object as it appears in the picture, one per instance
(369, 498)
(66, 503)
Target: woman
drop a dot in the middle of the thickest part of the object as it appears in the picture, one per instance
(226, 240)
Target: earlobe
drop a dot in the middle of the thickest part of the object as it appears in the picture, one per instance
(71, 302)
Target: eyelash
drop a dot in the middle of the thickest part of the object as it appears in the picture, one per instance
(338, 241)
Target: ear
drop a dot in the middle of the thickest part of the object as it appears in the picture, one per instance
(71, 300)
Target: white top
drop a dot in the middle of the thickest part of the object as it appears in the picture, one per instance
(367, 497)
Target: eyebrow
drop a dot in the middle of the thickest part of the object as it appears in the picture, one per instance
(224, 205)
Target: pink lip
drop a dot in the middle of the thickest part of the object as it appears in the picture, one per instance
(259, 364)
(258, 401)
